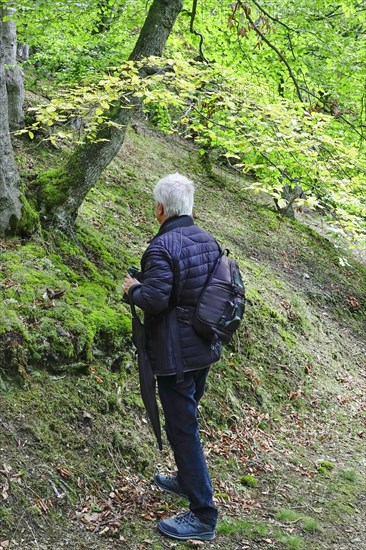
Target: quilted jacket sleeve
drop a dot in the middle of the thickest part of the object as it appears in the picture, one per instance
(153, 294)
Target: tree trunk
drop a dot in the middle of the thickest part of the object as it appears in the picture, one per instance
(13, 73)
(62, 192)
(23, 52)
(10, 205)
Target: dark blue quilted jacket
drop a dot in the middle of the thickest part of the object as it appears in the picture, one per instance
(174, 270)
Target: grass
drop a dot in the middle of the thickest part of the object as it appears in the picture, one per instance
(247, 527)
(293, 542)
(308, 523)
(287, 515)
(348, 475)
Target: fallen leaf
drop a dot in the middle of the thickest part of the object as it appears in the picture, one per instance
(63, 472)
(4, 491)
(54, 294)
(90, 518)
(353, 302)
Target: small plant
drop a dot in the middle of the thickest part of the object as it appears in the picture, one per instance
(326, 465)
(310, 524)
(348, 475)
(224, 496)
(293, 542)
(95, 507)
(287, 515)
(249, 481)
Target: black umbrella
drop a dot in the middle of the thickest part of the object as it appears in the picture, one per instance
(147, 379)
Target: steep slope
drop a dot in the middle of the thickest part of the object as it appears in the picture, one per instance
(286, 405)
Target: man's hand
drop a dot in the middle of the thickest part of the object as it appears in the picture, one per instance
(128, 282)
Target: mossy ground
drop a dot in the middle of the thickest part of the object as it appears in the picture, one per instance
(287, 397)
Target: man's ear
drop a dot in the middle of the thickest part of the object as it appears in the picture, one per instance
(160, 209)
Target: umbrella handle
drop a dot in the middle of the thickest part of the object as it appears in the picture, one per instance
(132, 305)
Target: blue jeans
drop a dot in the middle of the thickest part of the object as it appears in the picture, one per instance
(179, 401)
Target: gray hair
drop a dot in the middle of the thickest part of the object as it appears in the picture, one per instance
(175, 192)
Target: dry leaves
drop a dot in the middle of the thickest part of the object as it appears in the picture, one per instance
(63, 472)
(132, 496)
(44, 504)
(6, 471)
(244, 440)
(353, 303)
(291, 314)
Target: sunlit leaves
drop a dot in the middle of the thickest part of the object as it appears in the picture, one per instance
(241, 107)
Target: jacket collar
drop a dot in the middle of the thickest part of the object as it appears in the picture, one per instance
(173, 223)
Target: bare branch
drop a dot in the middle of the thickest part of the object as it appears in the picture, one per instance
(273, 47)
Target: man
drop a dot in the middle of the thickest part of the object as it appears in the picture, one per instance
(174, 270)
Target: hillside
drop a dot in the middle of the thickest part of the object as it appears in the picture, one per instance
(286, 404)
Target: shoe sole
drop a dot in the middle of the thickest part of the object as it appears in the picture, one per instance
(162, 488)
(202, 536)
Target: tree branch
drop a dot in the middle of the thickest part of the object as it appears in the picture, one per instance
(273, 18)
(273, 47)
(338, 116)
(193, 31)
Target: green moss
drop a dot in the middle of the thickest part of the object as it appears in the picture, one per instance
(52, 187)
(29, 221)
(267, 311)
(249, 481)
(288, 338)
(326, 464)
(9, 320)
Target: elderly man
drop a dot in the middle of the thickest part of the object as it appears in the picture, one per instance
(174, 270)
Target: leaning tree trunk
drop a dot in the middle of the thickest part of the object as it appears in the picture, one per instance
(63, 192)
(13, 73)
(10, 205)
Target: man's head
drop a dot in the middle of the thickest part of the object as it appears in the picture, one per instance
(174, 196)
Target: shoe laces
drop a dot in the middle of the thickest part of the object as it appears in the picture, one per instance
(171, 477)
(186, 517)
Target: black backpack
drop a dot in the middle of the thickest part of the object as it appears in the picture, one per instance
(221, 305)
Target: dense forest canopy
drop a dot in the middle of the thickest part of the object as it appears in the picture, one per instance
(275, 89)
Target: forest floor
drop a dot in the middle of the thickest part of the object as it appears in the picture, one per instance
(283, 420)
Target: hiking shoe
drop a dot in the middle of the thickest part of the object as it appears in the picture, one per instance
(186, 527)
(169, 484)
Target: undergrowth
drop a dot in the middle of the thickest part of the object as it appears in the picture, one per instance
(69, 391)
